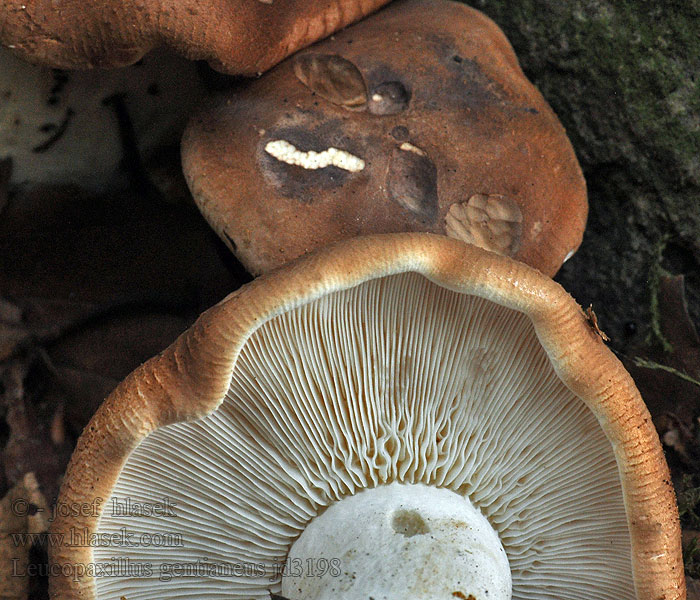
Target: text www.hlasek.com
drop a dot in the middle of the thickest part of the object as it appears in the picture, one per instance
(83, 537)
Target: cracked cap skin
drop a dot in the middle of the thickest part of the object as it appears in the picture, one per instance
(190, 381)
(243, 37)
(440, 132)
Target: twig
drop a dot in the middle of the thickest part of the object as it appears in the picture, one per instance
(650, 364)
(654, 284)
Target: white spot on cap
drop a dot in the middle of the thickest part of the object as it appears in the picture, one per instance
(288, 153)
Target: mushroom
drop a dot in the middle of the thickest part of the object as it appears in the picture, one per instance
(419, 118)
(236, 37)
(395, 416)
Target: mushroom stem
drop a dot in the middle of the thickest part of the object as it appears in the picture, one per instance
(395, 541)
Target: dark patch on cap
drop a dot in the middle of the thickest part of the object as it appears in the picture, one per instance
(389, 98)
(400, 133)
(332, 77)
(412, 183)
(472, 85)
(307, 185)
(469, 85)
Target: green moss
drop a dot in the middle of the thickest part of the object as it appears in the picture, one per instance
(636, 71)
(654, 282)
(688, 493)
(691, 558)
(624, 78)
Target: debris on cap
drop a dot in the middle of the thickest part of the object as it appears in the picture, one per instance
(492, 222)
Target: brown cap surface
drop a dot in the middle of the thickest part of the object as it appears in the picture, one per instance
(234, 36)
(416, 119)
(198, 378)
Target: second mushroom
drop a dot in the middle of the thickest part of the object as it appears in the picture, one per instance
(416, 119)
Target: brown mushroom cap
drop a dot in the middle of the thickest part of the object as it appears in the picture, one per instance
(219, 369)
(420, 120)
(238, 37)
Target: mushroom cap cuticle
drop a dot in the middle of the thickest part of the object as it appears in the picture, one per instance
(235, 37)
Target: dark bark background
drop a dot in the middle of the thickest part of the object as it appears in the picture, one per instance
(92, 284)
